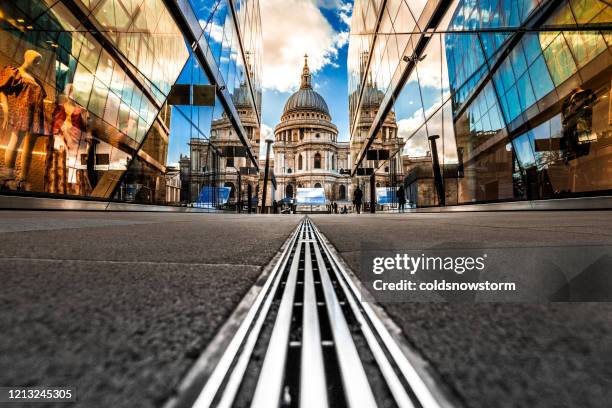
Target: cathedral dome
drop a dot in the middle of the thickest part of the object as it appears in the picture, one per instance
(372, 97)
(306, 98)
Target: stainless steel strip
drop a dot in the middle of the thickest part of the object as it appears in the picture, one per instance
(313, 391)
(412, 377)
(270, 382)
(354, 380)
(215, 380)
(396, 387)
(236, 377)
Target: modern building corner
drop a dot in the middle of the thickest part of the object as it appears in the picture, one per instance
(518, 97)
(111, 102)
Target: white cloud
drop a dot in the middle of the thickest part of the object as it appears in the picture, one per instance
(264, 132)
(294, 28)
(407, 126)
(418, 144)
(216, 30)
(437, 124)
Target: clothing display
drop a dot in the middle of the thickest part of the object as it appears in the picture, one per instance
(56, 174)
(25, 101)
(68, 133)
(69, 121)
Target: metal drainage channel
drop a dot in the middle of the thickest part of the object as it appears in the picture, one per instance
(320, 346)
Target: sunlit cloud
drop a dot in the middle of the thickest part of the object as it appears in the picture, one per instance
(297, 27)
(265, 132)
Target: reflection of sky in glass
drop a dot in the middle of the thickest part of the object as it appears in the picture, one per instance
(524, 153)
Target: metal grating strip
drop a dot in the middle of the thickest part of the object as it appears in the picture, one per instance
(306, 339)
(422, 392)
(313, 391)
(270, 382)
(358, 391)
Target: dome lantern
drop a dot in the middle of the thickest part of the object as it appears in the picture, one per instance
(306, 77)
(306, 98)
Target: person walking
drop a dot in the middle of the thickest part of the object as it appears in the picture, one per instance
(401, 198)
(358, 199)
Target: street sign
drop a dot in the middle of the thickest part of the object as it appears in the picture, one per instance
(246, 171)
(201, 95)
(367, 171)
(204, 95)
(234, 151)
(381, 154)
(179, 95)
(345, 172)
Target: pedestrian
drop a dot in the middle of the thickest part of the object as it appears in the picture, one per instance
(274, 207)
(358, 199)
(401, 198)
(335, 208)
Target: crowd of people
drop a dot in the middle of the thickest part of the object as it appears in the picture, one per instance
(333, 208)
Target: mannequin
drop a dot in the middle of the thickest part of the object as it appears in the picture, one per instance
(68, 132)
(21, 102)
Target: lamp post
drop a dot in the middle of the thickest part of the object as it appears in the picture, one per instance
(239, 197)
(436, 170)
(269, 141)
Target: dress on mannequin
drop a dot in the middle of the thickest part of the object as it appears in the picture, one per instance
(69, 125)
(22, 101)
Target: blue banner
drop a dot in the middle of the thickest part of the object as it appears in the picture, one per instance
(214, 195)
(310, 196)
(385, 195)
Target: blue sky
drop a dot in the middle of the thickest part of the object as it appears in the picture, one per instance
(292, 28)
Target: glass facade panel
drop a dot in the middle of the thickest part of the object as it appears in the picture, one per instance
(101, 127)
(65, 132)
(529, 115)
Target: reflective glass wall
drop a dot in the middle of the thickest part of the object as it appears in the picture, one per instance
(83, 98)
(517, 93)
(205, 153)
(81, 84)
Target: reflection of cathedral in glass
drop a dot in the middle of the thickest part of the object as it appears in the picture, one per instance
(521, 112)
(390, 174)
(218, 160)
(306, 148)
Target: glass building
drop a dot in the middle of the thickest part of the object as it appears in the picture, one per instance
(516, 94)
(105, 99)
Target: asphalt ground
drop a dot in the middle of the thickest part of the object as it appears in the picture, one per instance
(498, 354)
(120, 305)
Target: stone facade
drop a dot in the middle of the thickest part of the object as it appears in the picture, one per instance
(306, 148)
